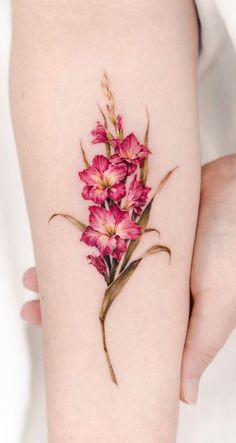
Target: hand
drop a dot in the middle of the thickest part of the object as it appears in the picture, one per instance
(213, 285)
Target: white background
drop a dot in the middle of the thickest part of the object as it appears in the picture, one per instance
(22, 406)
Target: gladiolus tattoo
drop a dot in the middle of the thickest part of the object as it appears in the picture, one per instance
(115, 184)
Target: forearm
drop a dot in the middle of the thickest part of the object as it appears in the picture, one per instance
(58, 58)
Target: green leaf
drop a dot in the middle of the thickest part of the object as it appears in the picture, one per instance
(143, 221)
(145, 142)
(104, 117)
(144, 171)
(151, 230)
(115, 288)
(78, 224)
(86, 162)
(145, 168)
(108, 148)
(133, 245)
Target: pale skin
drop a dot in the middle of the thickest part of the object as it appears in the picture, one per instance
(59, 52)
(213, 284)
(213, 289)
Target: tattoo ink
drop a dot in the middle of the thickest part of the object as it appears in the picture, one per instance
(116, 185)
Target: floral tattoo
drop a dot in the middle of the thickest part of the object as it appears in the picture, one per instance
(115, 183)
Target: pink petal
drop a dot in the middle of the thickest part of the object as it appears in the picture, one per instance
(117, 192)
(90, 176)
(115, 159)
(97, 195)
(128, 229)
(99, 133)
(121, 247)
(101, 219)
(90, 236)
(137, 147)
(130, 147)
(101, 163)
(131, 164)
(98, 262)
(131, 150)
(106, 245)
(137, 194)
(144, 152)
(131, 167)
(118, 214)
(138, 210)
(115, 173)
(119, 122)
(86, 192)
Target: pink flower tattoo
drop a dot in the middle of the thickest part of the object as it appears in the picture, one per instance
(103, 180)
(130, 152)
(137, 196)
(99, 133)
(100, 264)
(115, 184)
(109, 230)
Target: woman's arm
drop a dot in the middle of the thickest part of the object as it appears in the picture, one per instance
(149, 51)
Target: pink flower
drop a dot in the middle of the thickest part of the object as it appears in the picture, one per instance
(99, 263)
(130, 151)
(109, 230)
(99, 133)
(137, 196)
(103, 180)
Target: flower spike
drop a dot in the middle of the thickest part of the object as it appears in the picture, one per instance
(115, 184)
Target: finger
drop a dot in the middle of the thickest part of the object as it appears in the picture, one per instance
(211, 323)
(31, 312)
(30, 280)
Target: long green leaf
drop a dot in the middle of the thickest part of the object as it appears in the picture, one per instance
(78, 224)
(86, 162)
(115, 288)
(145, 168)
(143, 221)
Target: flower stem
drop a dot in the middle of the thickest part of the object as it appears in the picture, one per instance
(108, 261)
(112, 373)
(114, 267)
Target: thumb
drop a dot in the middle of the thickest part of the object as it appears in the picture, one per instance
(211, 322)
(31, 312)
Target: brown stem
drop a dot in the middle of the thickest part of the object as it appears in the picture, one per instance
(112, 373)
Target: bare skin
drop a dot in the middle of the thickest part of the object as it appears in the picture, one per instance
(212, 282)
(213, 289)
